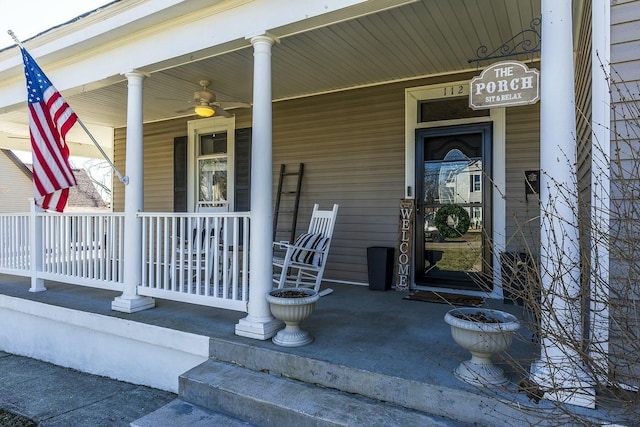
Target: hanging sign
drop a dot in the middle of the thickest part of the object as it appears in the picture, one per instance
(505, 84)
(405, 239)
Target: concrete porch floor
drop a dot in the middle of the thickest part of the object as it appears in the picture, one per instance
(353, 326)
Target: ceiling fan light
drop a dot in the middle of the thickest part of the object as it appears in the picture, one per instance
(204, 111)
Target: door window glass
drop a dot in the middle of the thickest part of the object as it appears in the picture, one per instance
(212, 170)
(451, 203)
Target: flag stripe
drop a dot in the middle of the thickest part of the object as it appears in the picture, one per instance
(63, 115)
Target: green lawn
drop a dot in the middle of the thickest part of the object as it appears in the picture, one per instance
(461, 254)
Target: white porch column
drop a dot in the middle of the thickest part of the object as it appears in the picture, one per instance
(129, 301)
(259, 323)
(559, 371)
(37, 248)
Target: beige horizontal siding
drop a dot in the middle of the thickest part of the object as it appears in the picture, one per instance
(15, 187)
(158, 164)
(352, 146)
(522, 154)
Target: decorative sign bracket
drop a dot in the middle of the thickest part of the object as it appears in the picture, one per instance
(526, 42)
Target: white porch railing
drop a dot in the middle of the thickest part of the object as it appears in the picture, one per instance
(83, 249)
(15, 254)
(196, 258)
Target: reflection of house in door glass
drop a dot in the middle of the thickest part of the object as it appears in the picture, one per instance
(459, 179)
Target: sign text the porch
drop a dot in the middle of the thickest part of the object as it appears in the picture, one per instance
(504, 84)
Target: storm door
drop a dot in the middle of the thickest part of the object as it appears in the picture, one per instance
(211, 157)
(453, 220)
(212, 172)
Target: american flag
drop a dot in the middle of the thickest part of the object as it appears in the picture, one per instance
(50, 118)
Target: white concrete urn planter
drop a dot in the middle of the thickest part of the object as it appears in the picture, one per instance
(483, 332)
(292, 306)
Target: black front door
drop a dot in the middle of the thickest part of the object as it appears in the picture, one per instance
(453, 221)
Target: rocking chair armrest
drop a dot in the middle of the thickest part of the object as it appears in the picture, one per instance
(281, 245)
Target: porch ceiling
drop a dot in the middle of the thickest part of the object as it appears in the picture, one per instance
(419, 39)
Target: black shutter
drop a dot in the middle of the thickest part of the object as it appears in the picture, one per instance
(180, 174)
(243, 170)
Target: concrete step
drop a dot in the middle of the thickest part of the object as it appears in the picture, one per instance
(266, 386)
(269, 400)
(181, 413)
(431, 398)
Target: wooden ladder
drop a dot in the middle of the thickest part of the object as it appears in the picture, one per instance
(287, 202)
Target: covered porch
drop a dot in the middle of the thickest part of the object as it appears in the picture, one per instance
(328, 87)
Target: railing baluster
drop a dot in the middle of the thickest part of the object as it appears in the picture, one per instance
(96, 247)
(158, 261)
(245, 259)
(182, 247)
(70, 226)
(120, 260)
(145, 246)
(103, 243)
(14, 260)
(85, 245)
(15, 247)
(217, 263)
(174, 239)
(89, 246)
(109, 235)
(51, 249)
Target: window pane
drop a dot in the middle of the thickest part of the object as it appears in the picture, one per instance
(215, 143)
(446, 109)
(452, 180)
(212, 180)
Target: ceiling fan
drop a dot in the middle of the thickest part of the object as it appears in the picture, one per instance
(206, 105)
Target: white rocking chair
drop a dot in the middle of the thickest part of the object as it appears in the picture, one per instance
(304, 260)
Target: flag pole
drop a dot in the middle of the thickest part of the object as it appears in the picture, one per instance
(123, 179)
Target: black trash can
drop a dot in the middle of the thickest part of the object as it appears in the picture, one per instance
(380, 267)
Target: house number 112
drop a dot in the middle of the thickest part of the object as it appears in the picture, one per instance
(453, 90)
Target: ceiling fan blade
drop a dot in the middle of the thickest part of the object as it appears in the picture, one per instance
(184, 110)
(234, 104)
(220, 111)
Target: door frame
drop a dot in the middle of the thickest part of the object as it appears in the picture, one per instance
(486, 146)
(498, 117)
(199, 127)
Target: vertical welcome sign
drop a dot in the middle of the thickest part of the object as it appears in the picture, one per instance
(405, 245)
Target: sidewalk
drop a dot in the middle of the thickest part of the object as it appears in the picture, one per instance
(54, 396)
